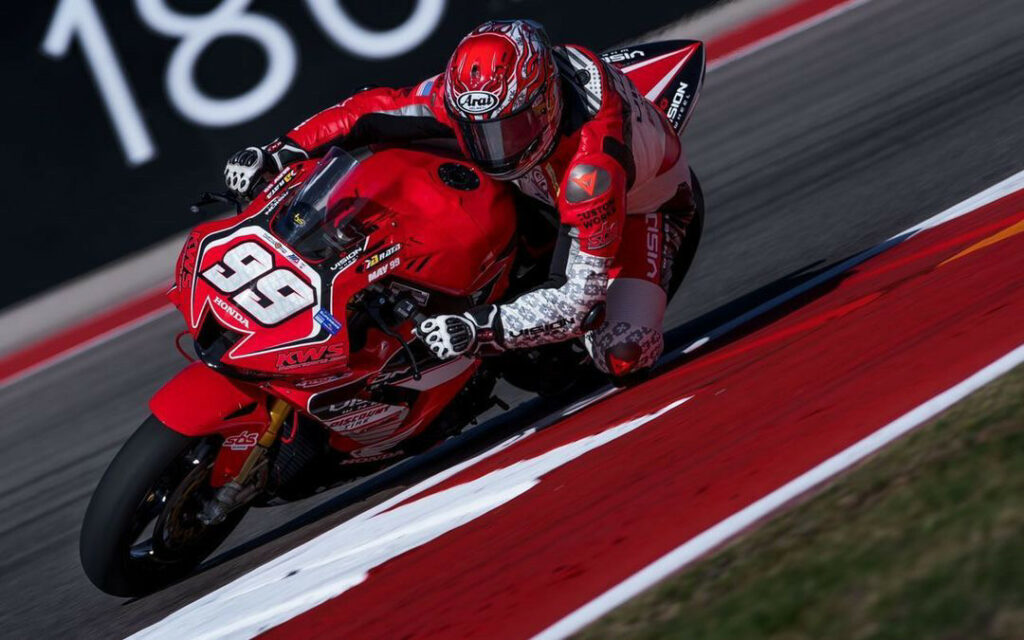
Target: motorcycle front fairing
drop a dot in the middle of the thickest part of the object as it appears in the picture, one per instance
(270, 292)
(271, 297)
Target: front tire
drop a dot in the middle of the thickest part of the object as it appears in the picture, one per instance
(155, 482)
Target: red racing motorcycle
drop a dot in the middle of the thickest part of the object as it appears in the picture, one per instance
(301, 310)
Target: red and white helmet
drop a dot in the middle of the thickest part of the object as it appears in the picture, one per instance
(503, 93)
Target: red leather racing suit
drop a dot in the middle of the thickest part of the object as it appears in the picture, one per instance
(614, 168)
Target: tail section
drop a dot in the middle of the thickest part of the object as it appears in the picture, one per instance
(669, 74)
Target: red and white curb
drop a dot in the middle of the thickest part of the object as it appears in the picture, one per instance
(558, 486)
(711, 538)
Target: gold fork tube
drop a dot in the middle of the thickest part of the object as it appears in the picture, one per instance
(279, 412)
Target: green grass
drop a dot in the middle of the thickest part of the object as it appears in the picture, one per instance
(925, 540)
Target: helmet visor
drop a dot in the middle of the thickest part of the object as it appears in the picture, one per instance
(499, 145)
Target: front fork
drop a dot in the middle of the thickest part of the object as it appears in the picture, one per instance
(252, 476)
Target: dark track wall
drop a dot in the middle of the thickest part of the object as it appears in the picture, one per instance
(114, 120)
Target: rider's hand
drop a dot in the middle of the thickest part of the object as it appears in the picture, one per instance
(449, 336)
(244, 172)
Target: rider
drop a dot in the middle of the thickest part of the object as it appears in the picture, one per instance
(570, 131)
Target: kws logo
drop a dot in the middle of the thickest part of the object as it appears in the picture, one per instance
(477, 101)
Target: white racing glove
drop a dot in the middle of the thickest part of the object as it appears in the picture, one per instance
(249, 168)
(244, 171)
(448, 336)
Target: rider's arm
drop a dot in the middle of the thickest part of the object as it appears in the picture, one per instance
(377, 115)
(592, 209)
(373, 115)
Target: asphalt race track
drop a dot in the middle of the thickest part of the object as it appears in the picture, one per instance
(810, 150)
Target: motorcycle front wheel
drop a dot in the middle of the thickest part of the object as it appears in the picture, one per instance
(141, 530)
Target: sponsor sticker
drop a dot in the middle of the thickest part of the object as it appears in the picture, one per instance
(279, 183)
(680, 100)
(477, 101)
(538, 185)
(188, 258)
(381, 256)
(312, 383)
(321, 354)
(653, 222)
(601, 237)
(348, 260)
(242, 441)
(231, 311)
(272, 203)
(383, 270)
(598, 215)
(328, 321)
(622, 55)
(359, 416)
(371, 458)
(552, 328)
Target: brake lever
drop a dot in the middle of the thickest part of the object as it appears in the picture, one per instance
(374, 311)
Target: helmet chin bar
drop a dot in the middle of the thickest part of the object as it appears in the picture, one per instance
(518, 170)
(522, 168)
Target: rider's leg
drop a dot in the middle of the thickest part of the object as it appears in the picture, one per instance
(657, 250)
(630, 339)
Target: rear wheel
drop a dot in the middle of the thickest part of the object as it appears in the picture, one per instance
(694, 231)
(141, 530)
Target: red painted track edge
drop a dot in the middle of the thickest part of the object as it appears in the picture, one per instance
(66, 342)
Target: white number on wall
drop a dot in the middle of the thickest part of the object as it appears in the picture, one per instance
(351, 36)
(81, 19)
(229, 18)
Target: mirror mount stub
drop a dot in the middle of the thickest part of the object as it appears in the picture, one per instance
(207, 198)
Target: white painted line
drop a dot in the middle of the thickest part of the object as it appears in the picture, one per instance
(716, 535)
(589, 400)
(996, 192)
(339, 559)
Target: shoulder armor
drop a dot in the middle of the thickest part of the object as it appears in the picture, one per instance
(582, 74)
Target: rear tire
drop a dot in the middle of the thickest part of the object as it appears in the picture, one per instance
(694, 231)
(153, 476)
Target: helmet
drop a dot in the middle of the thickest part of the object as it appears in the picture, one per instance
(503, 94)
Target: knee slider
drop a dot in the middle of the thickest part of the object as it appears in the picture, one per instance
(623, 348)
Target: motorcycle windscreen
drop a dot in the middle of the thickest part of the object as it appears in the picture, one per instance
(319, 223)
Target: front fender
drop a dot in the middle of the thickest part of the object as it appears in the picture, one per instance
(198, 401)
